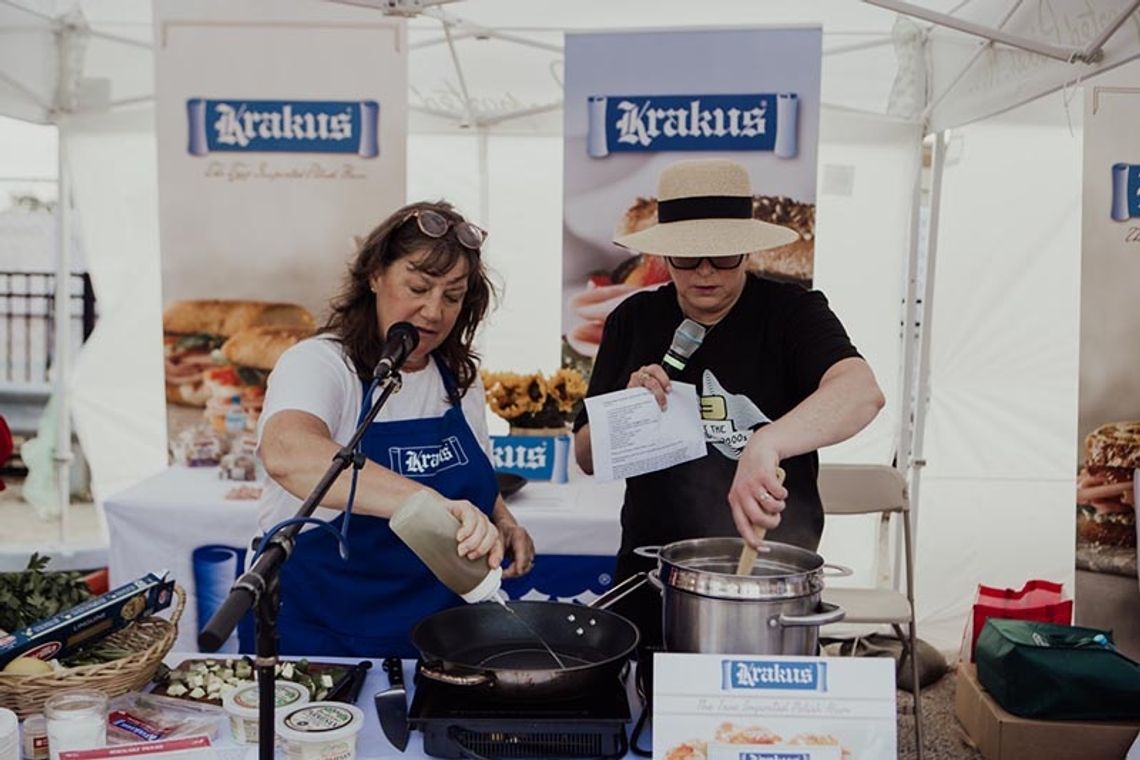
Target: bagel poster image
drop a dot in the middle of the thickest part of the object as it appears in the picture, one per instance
(1108, 425)
(636, 102)
(281, 138)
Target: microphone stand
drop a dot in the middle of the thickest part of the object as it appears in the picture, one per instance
(259, 584)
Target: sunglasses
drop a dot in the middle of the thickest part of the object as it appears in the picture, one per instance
(717, 262)
(435, 225)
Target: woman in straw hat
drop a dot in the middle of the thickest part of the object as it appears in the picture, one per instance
(777, 374)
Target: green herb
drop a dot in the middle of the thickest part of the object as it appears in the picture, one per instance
(32, 595)
(96, 654)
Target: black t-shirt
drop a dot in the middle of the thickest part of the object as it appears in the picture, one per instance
(761, 360)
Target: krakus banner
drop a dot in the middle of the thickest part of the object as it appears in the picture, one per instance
(281, 132)
(636, 102)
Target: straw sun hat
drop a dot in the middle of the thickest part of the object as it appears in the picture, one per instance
(704, 208)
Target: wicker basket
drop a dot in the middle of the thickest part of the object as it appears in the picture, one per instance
(150, 639)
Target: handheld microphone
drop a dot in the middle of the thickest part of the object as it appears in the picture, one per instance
(402, 339)
(686, 340)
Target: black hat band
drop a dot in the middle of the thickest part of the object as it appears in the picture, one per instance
(704, 207)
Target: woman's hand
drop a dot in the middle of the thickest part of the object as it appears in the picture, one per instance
(516, 541)
(477, 535)
(756, 496)
(653, 378)
(519, 548)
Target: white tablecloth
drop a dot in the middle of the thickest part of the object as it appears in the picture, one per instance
(158, 523)
(371, 742)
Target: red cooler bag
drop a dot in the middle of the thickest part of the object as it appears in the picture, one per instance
(1037, 600)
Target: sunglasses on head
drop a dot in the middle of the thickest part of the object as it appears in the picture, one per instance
(717, 262)
(435, 225)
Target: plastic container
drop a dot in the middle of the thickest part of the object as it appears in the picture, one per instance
(424, 523)
(241, 707)
(76, 719)
(9, 735)
(320, 731)
(35, 738)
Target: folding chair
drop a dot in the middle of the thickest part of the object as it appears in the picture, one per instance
(855, 489)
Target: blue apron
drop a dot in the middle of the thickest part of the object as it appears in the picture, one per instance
(367, 605)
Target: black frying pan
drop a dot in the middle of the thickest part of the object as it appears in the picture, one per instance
(485, 648)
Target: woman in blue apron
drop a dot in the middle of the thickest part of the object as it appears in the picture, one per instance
(422, 266)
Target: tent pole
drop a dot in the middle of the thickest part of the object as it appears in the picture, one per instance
(909, 328)
(923, 332)
(61, 359)
(987, 45)
(1068, 55)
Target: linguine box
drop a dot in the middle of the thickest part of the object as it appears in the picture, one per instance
(89, 621)
(768, 707)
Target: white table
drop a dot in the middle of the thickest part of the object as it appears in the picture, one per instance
(371, 742)
(159, 523)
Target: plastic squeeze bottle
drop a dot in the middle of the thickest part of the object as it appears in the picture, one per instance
(425, 524)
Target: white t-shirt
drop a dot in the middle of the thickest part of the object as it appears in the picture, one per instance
(316, 376)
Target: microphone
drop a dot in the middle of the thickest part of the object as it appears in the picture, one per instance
(402, 339)
(686, 340)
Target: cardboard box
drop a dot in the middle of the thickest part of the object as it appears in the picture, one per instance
(89, 621)
(1000, 735)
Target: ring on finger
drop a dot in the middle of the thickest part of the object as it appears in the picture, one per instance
(644, 376)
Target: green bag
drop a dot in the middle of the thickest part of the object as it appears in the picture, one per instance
(1057, 672)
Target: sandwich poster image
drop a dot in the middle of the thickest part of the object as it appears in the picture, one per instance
(636, 102)
(281, 141)
(1109, 393)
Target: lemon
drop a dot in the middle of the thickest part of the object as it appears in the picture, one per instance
(27, 666)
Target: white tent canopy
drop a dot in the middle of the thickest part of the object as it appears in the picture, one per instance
(1000, 428)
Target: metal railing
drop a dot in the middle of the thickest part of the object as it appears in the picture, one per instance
(27, 325)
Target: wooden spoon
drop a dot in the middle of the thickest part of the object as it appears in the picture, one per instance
(747, 553)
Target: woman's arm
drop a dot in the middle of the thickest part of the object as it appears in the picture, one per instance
(297, 448)
(517, 542)
(847, 399)
(583, 452)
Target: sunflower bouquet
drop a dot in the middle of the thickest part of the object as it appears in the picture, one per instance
(534, 400)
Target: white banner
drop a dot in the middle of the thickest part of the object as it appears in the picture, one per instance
(281, 141)
(1109, 407)
(281, 136)
(636, 102)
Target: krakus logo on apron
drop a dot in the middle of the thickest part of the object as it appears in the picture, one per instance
(426, 461)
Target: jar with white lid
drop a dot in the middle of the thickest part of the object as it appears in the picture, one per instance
(320, 731)
(9, 735)
(241, 706)
(35, 737)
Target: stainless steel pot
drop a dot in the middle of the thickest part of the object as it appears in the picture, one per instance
(708, 608)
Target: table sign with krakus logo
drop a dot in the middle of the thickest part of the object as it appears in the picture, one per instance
(533, 457)
(185, 748)
(769, 707)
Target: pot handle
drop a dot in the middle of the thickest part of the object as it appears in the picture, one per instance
(435, 672)
(620, 591)
(654, 578)
(841, 571)
(828, 613)
(649, 552)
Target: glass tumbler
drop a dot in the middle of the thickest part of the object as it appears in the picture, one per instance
(76, 719)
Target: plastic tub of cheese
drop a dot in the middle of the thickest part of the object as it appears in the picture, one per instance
(319, 731)
(241, 706)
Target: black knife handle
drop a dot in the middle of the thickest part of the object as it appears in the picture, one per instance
(395, 670)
